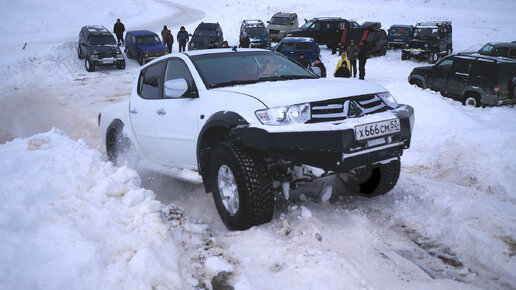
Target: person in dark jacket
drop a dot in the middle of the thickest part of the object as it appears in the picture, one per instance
(170, 40)
(321, 66)
(119, 29)
(212, 45)
(343, 71)
(305, 62)
(225, 44)
(352, 52)
(164, 34)
(245, 42)
(182, 38)
(363, 54)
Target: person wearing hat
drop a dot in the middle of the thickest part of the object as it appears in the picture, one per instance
(343, 58)
(170, 40)
(245, 42)
(119, 29)
(164, 34)
(321, 66)
(352, 52)
(342, 71)
(304, 61)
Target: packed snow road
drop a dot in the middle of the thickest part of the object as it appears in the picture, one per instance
(449, 223)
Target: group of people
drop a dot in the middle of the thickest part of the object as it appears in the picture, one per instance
(168, 38)
(347, 64)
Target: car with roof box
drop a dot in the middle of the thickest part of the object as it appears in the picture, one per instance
(280, 23)
(144, 46)
(204, 34)
(369, 31)
(257, 33)
(398, 35)
(258, 128)
(473, 79)
(430, 41)
(291, 47)
(98, 47)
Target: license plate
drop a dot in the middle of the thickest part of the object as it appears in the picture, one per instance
(107, 61)
(376, 129)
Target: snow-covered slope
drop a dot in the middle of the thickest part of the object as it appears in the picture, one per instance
(70, 220)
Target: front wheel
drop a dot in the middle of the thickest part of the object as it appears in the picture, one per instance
(471, 100)
(383, 51)
(121, 66)
(434, 57)
(79, 53)
(141, 61)
(119, 148)
(242, 187)
(89, 66)
(377, 180)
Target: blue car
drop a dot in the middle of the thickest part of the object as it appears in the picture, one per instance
(144, 45)
(293, 46)
(398, 35)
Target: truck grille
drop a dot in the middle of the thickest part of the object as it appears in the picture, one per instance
(273, 31)
(106, 55)
(340, 109)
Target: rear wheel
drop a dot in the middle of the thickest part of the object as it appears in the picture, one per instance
(79, 53)
(377, 180)
(417, 83)
(434, 57)
(404, 56)
(89, 66)
(471, 99)
(383, 51)
(242, 187)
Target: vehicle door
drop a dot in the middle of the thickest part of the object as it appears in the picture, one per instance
(459, 76)
(131, 45)
(293, 22)
(164, 125)
(436, 78)
(287, 49)
(82, 41)
(314, 31)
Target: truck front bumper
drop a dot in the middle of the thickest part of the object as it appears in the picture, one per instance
(335, 149)
(108, 61)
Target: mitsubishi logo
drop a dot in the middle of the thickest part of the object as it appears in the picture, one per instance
(352, 109)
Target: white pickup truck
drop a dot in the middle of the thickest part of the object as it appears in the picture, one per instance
(252, 123)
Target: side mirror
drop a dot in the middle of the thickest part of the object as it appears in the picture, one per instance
(175, 88)
(316, 70)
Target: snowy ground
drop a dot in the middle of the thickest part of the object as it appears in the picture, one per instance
(71, 220)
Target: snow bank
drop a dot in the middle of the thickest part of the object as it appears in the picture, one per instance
(70, 220)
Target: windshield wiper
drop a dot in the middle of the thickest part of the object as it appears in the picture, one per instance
(232, 83)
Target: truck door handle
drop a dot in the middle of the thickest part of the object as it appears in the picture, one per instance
(161, 112)
(462, 74)
(133, 111)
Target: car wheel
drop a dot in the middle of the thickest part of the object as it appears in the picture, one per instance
(471, 99)
(377, 180)
(434, 57)
(119, 149)
(417, 83)
(140, 60)
(404, 56)
(383, 51)
(79, 53)
(88, 65)
(120, 66)
(242, 187)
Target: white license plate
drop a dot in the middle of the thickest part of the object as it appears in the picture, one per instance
(376, 129)
(107, 61)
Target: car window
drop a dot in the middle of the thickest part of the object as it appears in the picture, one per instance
(486, 49)
(398, 31)
(303, 46)
(316, 26)
(461, 65)
(484, 69)
(279, 20)
(177, 69)
(148, 40)
(501, 52)
(445, 65)
(150, 81)
(512, 53)
(287, 47)
(105, 39)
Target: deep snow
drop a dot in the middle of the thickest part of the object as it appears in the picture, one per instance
(70, 220)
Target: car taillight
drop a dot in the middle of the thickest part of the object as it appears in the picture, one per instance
(496, 89)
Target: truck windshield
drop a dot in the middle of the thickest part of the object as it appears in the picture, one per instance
(205, 33)
(102, 40)
(247, 67)
(306, 25)
(256, 32)
(426, 33)
(397, 31)
(279, 20)
(147, 40)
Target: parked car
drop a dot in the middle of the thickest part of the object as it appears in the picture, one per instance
(99, 48)
(431, 40)
(370, 31)
(398, 35)
(255, 128)
(256, 32)
(325, 30)
(505, 49)
(204, 34)
(280, 23)
(472, 79)
(144, 45)
(291, 47)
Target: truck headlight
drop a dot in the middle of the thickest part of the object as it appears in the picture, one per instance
(280, 116)
(426, 45)
(119, 55)
(388, 99)
(93, 56)
(288, 35)
(406, 45)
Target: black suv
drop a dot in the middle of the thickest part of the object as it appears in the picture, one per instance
(505, 49)
(204, 34)
(256, 32)
(370, 31)
(473, 79)
(99, 48)
(325, 30)
(430, 41)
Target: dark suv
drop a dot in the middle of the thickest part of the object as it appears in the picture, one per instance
(431, 40)
(256, 32)
(325, 30)
(505, 49)
(370, 31)
(99, 48)
(473, 79)
(398, 35)
(204, 34)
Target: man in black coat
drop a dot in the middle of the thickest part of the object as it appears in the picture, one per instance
(343, 71)
(321, 66)
(305, 62)
(245, 42)
(119, 29)
(363, 54)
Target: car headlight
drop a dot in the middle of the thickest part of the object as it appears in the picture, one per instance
(191, 44)
(119, 55)
(388, 99)
(288, 34)
(426, 45)
(406, 45)
(93, 55)
(280, 116)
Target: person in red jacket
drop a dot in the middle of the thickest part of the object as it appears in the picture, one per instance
(170, 40)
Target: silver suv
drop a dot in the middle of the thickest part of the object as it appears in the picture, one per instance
(280, 23)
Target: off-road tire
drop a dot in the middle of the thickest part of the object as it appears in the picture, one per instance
(120, 66)
(434, 57)
(417, 82)
(254, 185)
(119, 148)
(383, 178)
(471, 99)
(79, 54)
(140, 60)
(404, 56)
(88, 65)
(383, 51)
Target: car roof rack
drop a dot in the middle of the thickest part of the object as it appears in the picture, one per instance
(495, 59)
(433, 23)
(253, 22)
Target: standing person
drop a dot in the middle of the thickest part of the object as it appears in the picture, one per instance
(164, 34)
(352, 52)
(225, 44)
(245, 42)
(321, 66)
(305, 62)
(182, 38)
(343, 58)
(211, 45)
(170, 40)
(119, 29)
(363, 54)
(343, 71)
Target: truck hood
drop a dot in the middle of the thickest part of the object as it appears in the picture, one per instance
(105, 49)
(278, 27)
(153, 48)
(284, 93)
